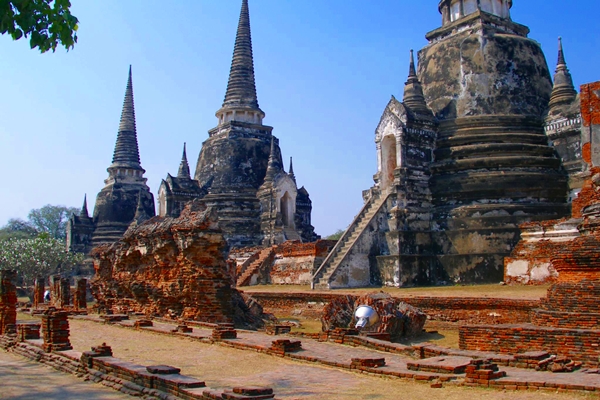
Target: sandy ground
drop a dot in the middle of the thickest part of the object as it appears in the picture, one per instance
(225, 367)
(21, 379)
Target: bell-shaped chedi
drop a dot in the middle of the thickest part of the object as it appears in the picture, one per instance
(489, 86)
(125, 190)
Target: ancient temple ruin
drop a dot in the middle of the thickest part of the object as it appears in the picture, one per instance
(240, 168)
(240, 172)
(481, 143)
(125, 196)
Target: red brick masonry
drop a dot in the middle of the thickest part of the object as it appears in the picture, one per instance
(580, 345)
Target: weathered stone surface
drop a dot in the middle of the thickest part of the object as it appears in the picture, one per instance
(396, 318)
(172, 268)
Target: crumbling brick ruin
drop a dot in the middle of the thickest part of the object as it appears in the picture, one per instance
(396, 318)
(171, 268)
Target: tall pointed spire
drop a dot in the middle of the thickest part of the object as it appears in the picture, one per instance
(563, 91)
(84, 210)
(240, 99)
(184, 167)
(291, 173)
(413, 91)
(126, 153)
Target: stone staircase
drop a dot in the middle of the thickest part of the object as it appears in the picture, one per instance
(347, 241)
(291, 234)
(244, 279)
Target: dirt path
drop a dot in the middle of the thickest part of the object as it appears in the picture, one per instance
(21, 379)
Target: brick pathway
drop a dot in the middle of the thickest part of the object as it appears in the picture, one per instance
(336, 355)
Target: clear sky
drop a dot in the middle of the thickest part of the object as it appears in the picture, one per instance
(325, 69)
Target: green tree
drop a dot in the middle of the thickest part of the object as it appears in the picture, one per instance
(16, 228)
(37, 257)
(51, 219)
(337, 235)
(47, 23)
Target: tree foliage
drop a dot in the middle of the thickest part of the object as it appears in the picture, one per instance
(16, 228)
(37, 257)
(337, 235)
(51, 220)
(47, 23)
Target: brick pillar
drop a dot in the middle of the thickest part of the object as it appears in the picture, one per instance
(65, 293)
(55, 330)
(55, 290)
(80, 298)
(8, 302)
(38, 291)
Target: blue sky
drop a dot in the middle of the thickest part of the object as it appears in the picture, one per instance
(325, 69)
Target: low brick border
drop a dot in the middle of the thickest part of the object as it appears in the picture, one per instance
(128, 378)
(411, 351)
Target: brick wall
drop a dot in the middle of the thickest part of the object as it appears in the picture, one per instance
(578, 345)
(464, 309)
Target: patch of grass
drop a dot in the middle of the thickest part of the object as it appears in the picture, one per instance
(306, 325)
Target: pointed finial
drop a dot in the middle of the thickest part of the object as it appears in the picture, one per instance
(291, 173)
(84, 211)
(412, 72)
(126, 152)
(561, 54)
(563, 90)
(184, 167)
(413, 91)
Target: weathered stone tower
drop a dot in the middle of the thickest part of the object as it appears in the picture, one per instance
(125, 192)
(233, 162)
(462, 161)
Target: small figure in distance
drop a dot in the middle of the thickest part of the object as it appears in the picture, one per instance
(46, 296)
